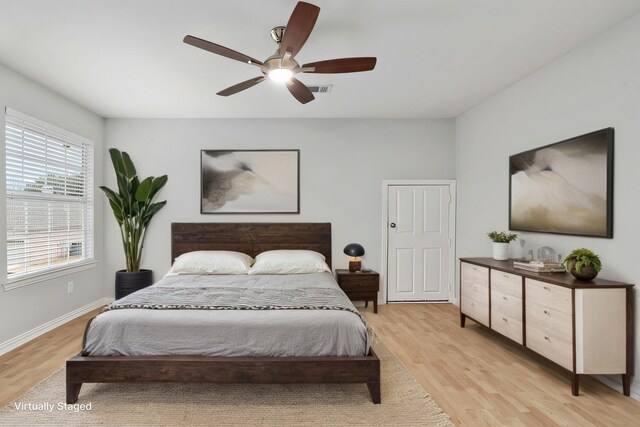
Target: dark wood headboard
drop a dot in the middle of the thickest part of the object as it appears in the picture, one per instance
(250, 238)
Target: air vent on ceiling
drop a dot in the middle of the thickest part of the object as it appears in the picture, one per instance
(320, 88)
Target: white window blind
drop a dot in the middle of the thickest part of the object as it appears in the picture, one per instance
(49, 197)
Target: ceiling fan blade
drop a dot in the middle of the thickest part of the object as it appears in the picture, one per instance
(241, 86)
(342, 65)
(220, 50)
(299, 90)
(300, 25)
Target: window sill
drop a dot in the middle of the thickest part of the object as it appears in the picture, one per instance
(42, 277)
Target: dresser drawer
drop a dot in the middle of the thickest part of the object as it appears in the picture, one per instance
(476, 310)
(506, 283)
(359, 283)
(475, 292)
(549, 346)
(551, 321)
(506, 304)
(548, 295)
(474, 274)
(507, 326)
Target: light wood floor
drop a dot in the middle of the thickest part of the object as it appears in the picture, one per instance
(476, 376)
(29, 364)
(480, 378)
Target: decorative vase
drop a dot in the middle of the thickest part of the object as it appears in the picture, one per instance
(587, 272)
(500, 251)
(129, 282)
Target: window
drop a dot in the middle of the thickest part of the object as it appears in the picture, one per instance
(49, 198)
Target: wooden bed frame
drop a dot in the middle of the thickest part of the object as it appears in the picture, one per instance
(250, 238)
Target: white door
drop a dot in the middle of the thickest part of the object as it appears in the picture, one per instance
(419, 244)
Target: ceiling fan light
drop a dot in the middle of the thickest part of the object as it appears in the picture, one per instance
(280, 75)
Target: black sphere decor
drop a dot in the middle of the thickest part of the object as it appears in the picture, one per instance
(587, 272)
(129, 282)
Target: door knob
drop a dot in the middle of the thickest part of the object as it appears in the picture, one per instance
(392, 225)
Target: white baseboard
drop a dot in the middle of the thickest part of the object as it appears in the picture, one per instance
(21, 339)
(617, 385)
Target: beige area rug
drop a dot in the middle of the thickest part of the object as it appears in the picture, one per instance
(404, 402)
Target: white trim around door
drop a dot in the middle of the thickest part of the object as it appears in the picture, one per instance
(453, 297)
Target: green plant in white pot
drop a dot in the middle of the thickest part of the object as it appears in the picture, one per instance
(501, 240)
(133, 208)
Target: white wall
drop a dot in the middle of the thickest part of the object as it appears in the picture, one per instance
(342, 165)
(25, 308)
(595, 86)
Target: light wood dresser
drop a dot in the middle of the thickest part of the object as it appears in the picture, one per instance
(585, 327)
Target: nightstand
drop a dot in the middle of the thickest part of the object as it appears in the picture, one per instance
(360, 286)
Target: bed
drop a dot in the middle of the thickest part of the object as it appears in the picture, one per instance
(292, 361)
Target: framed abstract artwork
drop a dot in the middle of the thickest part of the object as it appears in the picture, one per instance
(564, 188)
(250, 181)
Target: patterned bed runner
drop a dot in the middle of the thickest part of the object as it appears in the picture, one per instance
(234, 298)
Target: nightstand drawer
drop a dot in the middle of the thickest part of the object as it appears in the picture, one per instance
(362, 295)
(363, 283)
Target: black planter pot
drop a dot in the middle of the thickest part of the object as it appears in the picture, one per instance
(587, 272)
(127, 282)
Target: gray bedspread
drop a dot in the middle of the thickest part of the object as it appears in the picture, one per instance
(298, 315)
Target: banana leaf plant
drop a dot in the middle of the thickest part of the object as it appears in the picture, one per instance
(133, 205)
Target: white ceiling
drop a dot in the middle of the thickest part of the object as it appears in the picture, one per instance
(436, 58)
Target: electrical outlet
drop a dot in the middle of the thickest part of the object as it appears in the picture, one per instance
(69, 287)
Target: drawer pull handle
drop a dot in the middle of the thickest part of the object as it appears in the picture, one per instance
(504, 298)
(547, 338)
(546, 312)
(505, 319)
(546, 288)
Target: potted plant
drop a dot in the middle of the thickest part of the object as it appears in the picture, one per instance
(501, 241)
(133, 208)
(583, 264)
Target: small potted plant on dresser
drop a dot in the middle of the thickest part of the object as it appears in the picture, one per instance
(133, 208)
(583, 264)
(501, 240)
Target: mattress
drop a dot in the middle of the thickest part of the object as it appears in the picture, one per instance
(231, 333)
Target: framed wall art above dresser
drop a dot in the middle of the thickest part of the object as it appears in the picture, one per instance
(565, 187)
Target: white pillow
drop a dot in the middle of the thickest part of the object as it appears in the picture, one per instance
(289, 262)
(211, 262)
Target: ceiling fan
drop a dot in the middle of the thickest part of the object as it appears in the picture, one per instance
(281, 66)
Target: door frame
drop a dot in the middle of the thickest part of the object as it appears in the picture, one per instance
(452, 231)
